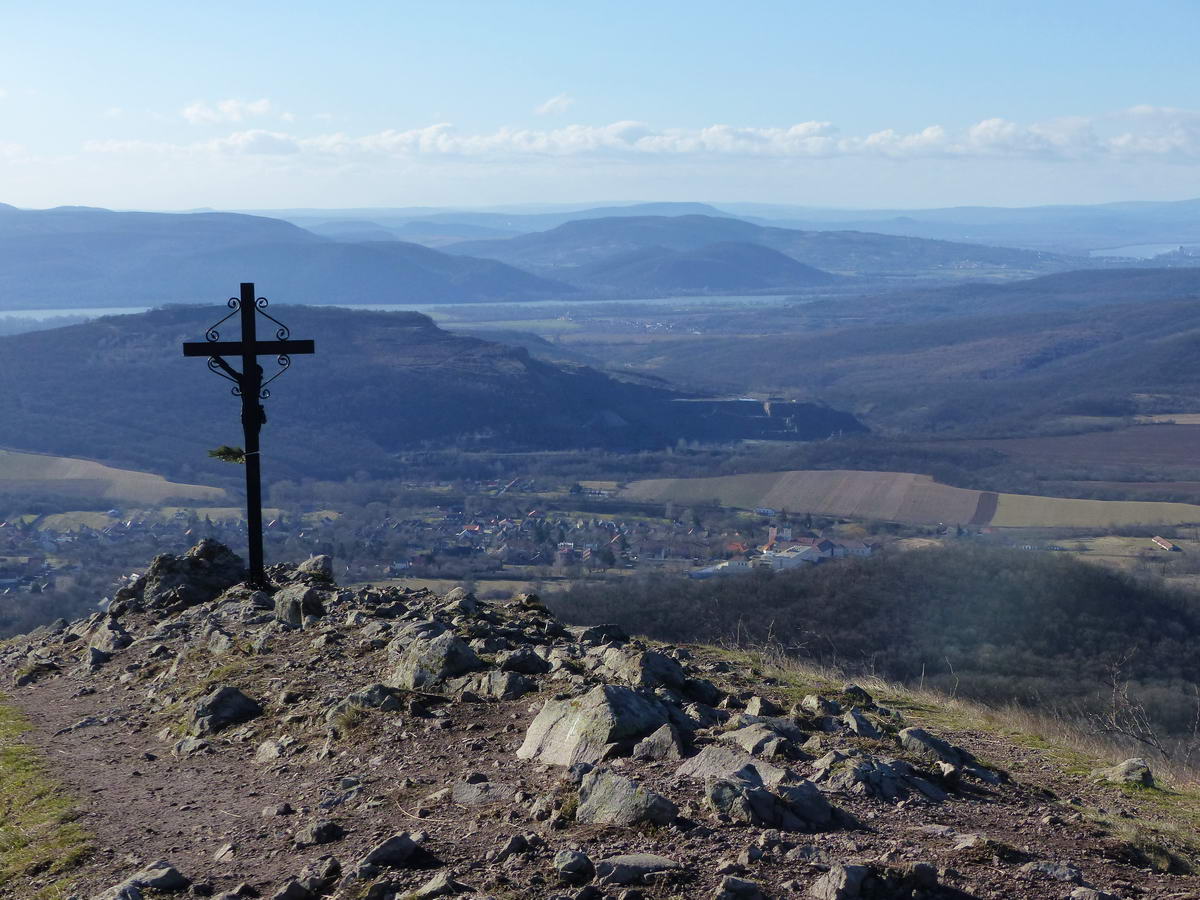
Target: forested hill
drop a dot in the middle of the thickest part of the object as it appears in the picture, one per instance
(998, 625)
(74, 257)
(118, 389)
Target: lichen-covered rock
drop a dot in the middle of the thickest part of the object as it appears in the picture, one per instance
(725, 761)
(573, 867)
(607, 718)
(294, 602)
(792, 807)
(855, 772)
(1131, 771)
(427, 661)
(606, 798)
(840, 883)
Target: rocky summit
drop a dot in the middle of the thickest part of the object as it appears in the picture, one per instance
(314, 741)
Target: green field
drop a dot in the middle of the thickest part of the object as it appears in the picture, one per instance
(905, 497)
(34, 473)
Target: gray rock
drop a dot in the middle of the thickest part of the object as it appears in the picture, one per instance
(109, 637)
(1057, 871)
(793, 807)
(440, 885)
(293, 890)
(294, 602)
(500, 685)
(1132, 771)
(223, 707)
(649, 669)
(427, 661)
(523, 661)
(324, 832)
(395, 851)
(816, 705)
(840, 883)
(317, 568)
(664, 744)
(632, 868)
(725, 761)
(758, 740)
(474, 794)
(573, 867)
(1087, 893)
(606, 798)
(200, 575)
(761, 706)
(857, 695)
(589, 728)
(732, 888)
(860, 724)
(601, 634)
(855, 772)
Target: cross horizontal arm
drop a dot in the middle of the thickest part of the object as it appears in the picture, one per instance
(238, 348)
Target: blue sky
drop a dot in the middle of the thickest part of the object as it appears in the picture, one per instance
(458, 102)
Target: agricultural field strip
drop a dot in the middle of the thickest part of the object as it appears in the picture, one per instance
(903, 497)
(82, 477)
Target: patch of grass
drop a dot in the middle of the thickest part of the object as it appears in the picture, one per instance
(39, 838)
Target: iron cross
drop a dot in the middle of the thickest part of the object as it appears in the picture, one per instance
(249, 385)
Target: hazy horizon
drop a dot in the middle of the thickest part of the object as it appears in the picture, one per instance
(472, 104)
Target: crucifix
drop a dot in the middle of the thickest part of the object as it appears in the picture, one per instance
(249, 385)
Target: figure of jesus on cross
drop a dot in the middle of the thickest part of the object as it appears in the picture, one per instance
(249, 385)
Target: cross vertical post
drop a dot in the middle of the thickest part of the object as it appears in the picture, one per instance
(250, 387)
(252, 422)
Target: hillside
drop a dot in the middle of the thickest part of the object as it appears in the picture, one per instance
(379, 383)
(556, 252)
(393, 743)
(1010, 374)
(77, 257)
(728, 267)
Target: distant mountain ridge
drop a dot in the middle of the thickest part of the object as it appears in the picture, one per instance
(81, 257)
(556, 252)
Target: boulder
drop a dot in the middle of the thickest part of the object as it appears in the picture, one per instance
(664, 744)
(523, 661)
(922, 743)
(440, 885)
(395, 851)
(427, 661)
(840, 883)
(573, 867)
(223, 707)
(600, 634)
(860, 724)
(1132, 771)
(294, 602)
(324, 832)
(632, 868)
(792, 807)
(732, 888)
(649, 669)
(108, 636)
(201, 574)
(758, 740)
(606, 798)
(317, 568)
(589, 728)
(724, 761)
(855, 772)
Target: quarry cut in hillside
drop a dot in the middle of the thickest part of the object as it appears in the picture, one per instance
(314, 741)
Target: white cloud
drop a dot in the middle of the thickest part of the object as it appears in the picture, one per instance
(1137, 133)
(555, 106)
(203, 113)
